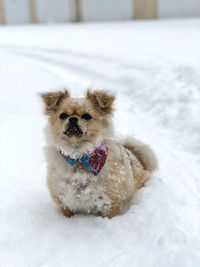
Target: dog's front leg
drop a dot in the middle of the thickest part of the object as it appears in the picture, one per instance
(67, 212)
(114, 210)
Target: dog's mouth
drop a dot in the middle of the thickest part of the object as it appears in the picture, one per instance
(73, 130)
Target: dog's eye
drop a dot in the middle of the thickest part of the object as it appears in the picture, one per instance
(86, 117)
(63, 116)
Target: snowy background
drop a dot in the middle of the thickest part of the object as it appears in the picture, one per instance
(153, 68)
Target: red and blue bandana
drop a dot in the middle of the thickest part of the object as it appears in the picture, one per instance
(92, 162)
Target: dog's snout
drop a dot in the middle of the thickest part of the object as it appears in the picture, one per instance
(73, 127)
(73, 120)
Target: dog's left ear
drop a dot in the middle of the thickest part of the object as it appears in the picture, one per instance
(101, 100)
(53, 99)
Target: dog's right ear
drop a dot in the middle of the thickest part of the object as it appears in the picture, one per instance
(53, 99)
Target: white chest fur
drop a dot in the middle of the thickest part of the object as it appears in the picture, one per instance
(80, 193)
(76, 189)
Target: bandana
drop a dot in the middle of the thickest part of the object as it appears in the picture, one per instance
(92, 162)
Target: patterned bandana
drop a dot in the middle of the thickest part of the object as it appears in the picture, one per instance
(92, 162)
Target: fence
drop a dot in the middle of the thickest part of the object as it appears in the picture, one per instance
(41, 11)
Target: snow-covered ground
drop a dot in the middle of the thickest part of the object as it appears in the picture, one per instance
(154, 70)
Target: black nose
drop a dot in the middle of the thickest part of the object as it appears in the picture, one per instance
(73, 120)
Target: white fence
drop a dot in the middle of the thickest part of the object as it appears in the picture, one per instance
(178, 8)
(33, 11)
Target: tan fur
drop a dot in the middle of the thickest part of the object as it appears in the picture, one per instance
(53, 99)
(129, 163)
(101, 100)
(67, 212)
(143, 152)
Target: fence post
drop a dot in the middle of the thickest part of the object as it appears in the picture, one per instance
(145, 9)
(2, 13)
(78, 9)
(32, 11)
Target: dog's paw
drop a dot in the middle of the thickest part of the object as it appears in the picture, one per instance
(67, 212)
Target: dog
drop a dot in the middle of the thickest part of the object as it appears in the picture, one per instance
(88, 169)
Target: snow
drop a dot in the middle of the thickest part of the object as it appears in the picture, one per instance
(153, 68)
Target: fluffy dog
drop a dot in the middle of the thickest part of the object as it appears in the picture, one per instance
(88, 170)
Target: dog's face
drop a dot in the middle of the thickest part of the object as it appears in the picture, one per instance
(78, 120)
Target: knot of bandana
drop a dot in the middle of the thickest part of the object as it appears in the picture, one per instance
(92, 162)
